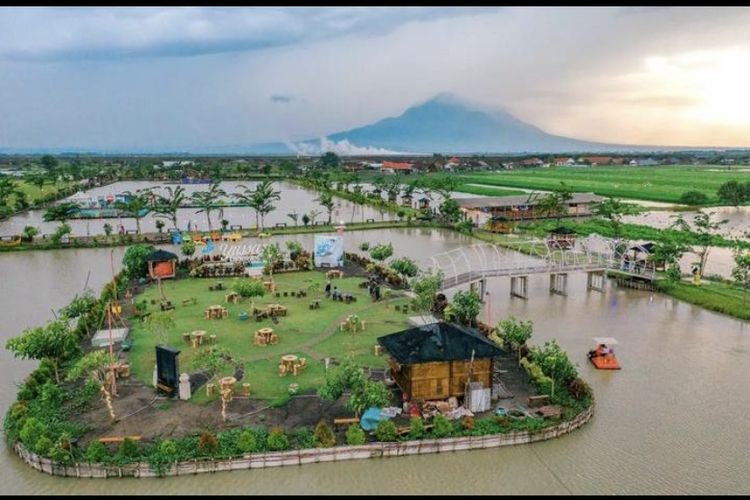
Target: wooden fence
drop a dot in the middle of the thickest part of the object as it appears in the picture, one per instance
(299, 457)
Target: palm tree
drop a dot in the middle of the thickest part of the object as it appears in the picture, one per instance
(61, 212)
(393, 188)
(326, 200)
(246, 197)
(167, 206)
(264, 195)
(207, 200)
(295, 217)
(134, 205)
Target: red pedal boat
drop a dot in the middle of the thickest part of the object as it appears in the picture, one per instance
(603, 356)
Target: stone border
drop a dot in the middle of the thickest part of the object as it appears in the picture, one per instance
(305, 456)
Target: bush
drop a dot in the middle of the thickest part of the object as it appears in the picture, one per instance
(188, 248)
(355, 436)
(129, 450)
(168, 450)
(386, 431)
(324, 437)
(364, 246)
(247, 443)
(304, 438)
(207, 444)
(468, 423)
(42, 446)
(249, 288)
(134, 260)
(441, 426)
(31, 431)
(278, 440)
(416, 428)
(694, 198)
(96, 452)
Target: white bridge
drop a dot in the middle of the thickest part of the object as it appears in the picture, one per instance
(474, 264)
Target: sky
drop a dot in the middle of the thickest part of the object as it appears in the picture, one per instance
(177, 78)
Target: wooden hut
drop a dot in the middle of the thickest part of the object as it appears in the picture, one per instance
(638, 258)
(499, 224)
(406, 200)
(424, 202)
(161, 264)
(561, 237)
(433, 361)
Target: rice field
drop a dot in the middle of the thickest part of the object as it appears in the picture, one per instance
(658, 183)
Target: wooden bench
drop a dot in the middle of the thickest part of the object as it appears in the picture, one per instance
(536, 401)
(406, 429)
(118, 439)
(164, 388)
(345, 421)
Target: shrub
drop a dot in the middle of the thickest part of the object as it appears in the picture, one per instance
(355, 435)
(324, 437)
(364, 246)
(247, 442)
(42, 445)
(168, 450)
(386, 431)
(188, 248)
(579, 389)
(694, 198)
(249, 288)
(62, 451)
(441, 426)
(207, 444)
(468, 423)
(416, 428)
(134, 260)
(278, 440)
(129, 450)
(96, 452)
(304, 438)
(31, 431)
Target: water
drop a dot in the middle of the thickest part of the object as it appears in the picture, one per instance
(293, 197)
(672, 421)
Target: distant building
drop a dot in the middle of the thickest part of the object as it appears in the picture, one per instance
(392, 167)
(532, 162)
(521, 207)
(596, 160)
(564, 162)
(177, 163)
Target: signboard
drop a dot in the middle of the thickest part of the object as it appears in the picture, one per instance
(328, 251)
(167, 368)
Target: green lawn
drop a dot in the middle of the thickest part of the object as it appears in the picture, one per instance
(659, 183)
(720, 297)
(312, 334)
(33, 193)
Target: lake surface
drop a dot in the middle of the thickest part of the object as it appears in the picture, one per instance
(293, 198)
(673, 420)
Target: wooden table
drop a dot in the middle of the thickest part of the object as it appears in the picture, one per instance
(216, 312)
(196, 337)
(227, 382)
(274, 309)
(265, 333)
(288, 360)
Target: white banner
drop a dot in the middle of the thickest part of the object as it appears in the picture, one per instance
(329, 251)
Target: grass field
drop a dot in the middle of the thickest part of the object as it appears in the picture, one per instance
(661, 183)
(715, 296)
(312, 334)
(33, 193)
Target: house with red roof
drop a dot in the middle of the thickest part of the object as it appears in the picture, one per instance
(393, 167)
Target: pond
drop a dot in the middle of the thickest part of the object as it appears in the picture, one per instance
(673, 420)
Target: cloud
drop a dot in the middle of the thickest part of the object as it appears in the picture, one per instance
(343, 148)
(284, 99)
(59, 34)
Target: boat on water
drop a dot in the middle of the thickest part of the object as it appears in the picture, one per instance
(603, 356)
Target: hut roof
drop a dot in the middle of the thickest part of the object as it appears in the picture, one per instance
(517, 200)
(563, 230)
(437, 342)
(160, 256)
(644, 247)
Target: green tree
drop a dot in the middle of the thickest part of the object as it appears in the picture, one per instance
(212, 360)
(450, 209)
(705, 228)
(305, 219)
(159, 225)
(355, 436)
(330, 160)
(96, 365)
(405, 267)
(29, 232)
(364, 393)
(694, 198)
(555, 204)
(134, 260)
(465, 306)
(54, 342)
(49, 162)
(188, 248)
(741, 271)
(278, 440)
(426, 287)
(613, 210)
(324, 437)
(206, 201)
(135, 205)
(326, 200)
(107, 228)
(386, 431)
(295, 217)
(159, 324)
(669, 251)
(515, 333)
(166, 206)
(61, 212)
(264, 197)
(733, 193)
(381, 252)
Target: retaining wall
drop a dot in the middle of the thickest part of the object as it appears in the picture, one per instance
(306, 456)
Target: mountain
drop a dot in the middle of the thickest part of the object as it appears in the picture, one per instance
(447, 124)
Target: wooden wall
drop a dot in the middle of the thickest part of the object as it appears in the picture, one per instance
(440, 379)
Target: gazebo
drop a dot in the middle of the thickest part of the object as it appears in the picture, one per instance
(435, 361)
(161, 264)
(424, 202)
(561, 237)
(638, 258)
(406, 200)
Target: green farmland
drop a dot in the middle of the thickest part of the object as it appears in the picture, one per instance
(660, 183)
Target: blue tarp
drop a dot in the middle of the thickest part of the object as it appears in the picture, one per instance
(176, 238)
(370, 419)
